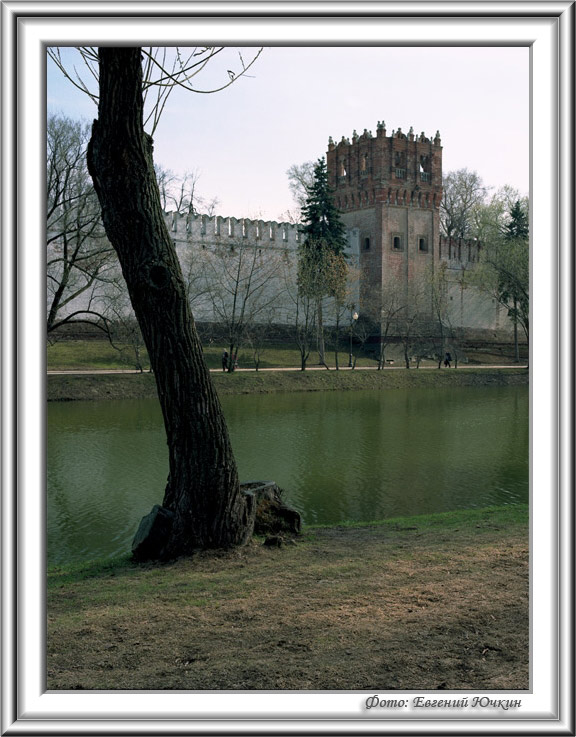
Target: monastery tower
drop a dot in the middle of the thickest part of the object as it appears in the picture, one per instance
(389, 189)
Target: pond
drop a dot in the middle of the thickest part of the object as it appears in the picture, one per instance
(360, 456)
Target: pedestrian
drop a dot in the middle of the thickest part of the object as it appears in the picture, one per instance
(224, 360)
(447, 360)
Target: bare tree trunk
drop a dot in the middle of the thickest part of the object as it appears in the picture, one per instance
(406, 358)
(206, 508)
(337, 338)
(516, 347)
(320, 324)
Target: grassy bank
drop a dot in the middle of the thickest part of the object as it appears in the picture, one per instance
(101, 355)
(427, 602)
(140, 386)
(68, 355)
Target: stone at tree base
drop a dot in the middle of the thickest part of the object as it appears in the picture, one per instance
(152, 533)
(274, 541)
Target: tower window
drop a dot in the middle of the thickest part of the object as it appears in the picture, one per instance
(422, 244)
(397, 242)
(425, 168)
(400, 164)
(366, 244)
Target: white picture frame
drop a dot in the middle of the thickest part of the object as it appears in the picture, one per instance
(28, 27)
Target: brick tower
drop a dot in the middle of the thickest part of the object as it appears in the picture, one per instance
(389, 189)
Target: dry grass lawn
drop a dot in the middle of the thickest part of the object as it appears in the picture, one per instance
(407, 605)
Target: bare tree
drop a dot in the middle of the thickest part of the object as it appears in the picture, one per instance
(444, 338)
(300, 179)
(301, 308)
(463, 193)
(79, 257)
(413, 320)
(305, 324)
(505, 274)
(163, 69)
(504, 268)
(180, 193)
(382, 310)
(489, 217)
(342, 311)
(244, 286)
(258, 334)
(203, 505)
(124, 332)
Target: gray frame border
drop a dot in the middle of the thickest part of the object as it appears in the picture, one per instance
(13, 13)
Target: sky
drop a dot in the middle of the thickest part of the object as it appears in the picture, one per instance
(241, 141)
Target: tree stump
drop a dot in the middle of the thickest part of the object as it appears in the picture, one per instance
(273, 516)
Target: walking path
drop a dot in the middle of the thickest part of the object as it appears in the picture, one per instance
(291, 368)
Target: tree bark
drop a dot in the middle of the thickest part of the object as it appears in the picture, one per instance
(203, 497)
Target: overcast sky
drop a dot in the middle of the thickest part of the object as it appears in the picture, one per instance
(242, 140)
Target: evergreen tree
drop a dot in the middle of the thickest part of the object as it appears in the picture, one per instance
(513, 274)
(322, 262)
(321, 218)
(517, 226)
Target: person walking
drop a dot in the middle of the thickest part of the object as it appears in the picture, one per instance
(447, 360)
(224, 360)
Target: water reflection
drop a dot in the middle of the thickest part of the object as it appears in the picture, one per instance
(339, 456)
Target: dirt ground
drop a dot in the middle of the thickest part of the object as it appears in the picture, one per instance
(385, 607)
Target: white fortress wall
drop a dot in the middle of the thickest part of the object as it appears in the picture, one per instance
(468, 306)
(195, 233)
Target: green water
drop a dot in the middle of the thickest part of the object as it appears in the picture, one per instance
(339, 456)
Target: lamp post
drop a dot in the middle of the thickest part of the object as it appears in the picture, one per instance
(353, 318)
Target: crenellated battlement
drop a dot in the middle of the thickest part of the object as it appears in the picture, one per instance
(215, 229)
(459, 252)
(402, 169)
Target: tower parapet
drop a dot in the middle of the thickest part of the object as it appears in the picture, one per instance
(215, 229)
(402, 169)
(459, 252)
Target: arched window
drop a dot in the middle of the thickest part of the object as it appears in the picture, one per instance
(397, 242)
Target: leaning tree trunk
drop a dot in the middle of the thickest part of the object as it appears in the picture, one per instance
(203, 504)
